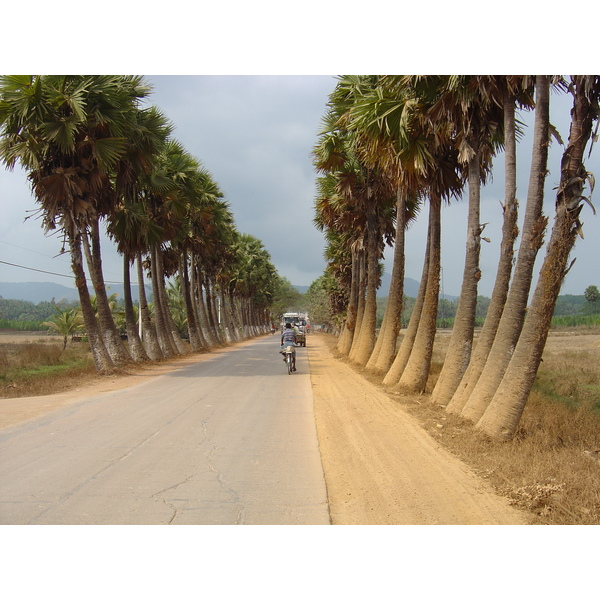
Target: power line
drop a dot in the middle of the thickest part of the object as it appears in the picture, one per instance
(60, 255)
(38, 270)
(50, 272)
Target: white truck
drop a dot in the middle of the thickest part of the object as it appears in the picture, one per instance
(299, 321)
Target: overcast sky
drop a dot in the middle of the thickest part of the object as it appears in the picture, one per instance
(255, 135)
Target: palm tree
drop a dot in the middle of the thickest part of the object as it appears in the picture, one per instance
(506, 407)
(334, 212)
(130, 224)
(381, 117)
(66, 322)
(472, 107)
(517, 90)
(365, 192)
(534, 225)
(339, 224)
(430, 162)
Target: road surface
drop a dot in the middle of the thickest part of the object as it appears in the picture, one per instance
(228, 440)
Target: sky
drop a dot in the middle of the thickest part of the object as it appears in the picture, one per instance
(255, 134)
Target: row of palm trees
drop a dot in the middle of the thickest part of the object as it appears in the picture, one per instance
(98, 157)
(390, 146)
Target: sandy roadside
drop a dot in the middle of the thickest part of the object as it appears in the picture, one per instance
(381, 466)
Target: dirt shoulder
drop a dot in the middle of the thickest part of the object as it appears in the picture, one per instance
(381, 467)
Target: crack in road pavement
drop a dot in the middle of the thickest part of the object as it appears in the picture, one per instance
(65, 497)
(235, 496)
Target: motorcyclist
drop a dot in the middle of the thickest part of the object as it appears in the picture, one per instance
(288, 338)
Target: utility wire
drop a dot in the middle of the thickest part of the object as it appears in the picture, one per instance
(39, 270)
(59, 255)
(50, 272)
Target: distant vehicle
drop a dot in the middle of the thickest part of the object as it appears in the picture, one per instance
(301, 324)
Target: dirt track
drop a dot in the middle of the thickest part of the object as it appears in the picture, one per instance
(381, 467)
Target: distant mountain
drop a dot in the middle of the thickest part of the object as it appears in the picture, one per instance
(37, 292)
(44, 292)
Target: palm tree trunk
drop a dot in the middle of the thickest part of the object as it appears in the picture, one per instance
(504, 412)
(206, 326)
(102, 359)
(165, 340)
(397, 367)
(211, 310)
(366, 341)
(345, 342)
(135, 344)
(194, 293)
(195, 343)
(233, 315)
(534, 225)
(150, 340)
(360, 306)
(227, 325)
(415, 375)
(509, 233)
(179, 344)
(385, 347)
(112, 339)
(461, 341)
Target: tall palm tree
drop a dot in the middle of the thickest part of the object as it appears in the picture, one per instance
(426, 153)
(130, 225)
(339, 224)
(534, 225)
(472, 108)
(367, 194)
(518, 90)
(381, 117)
(506, 407)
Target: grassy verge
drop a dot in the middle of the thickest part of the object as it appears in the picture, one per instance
(36, 368)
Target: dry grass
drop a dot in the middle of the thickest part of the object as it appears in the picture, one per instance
(39, 366)
(552, 466)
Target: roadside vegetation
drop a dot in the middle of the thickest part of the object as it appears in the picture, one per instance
(36, 366)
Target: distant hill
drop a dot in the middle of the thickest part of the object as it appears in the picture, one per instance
(44, 292)
(37, 292)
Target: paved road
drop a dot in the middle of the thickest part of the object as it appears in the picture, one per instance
(223, 441)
